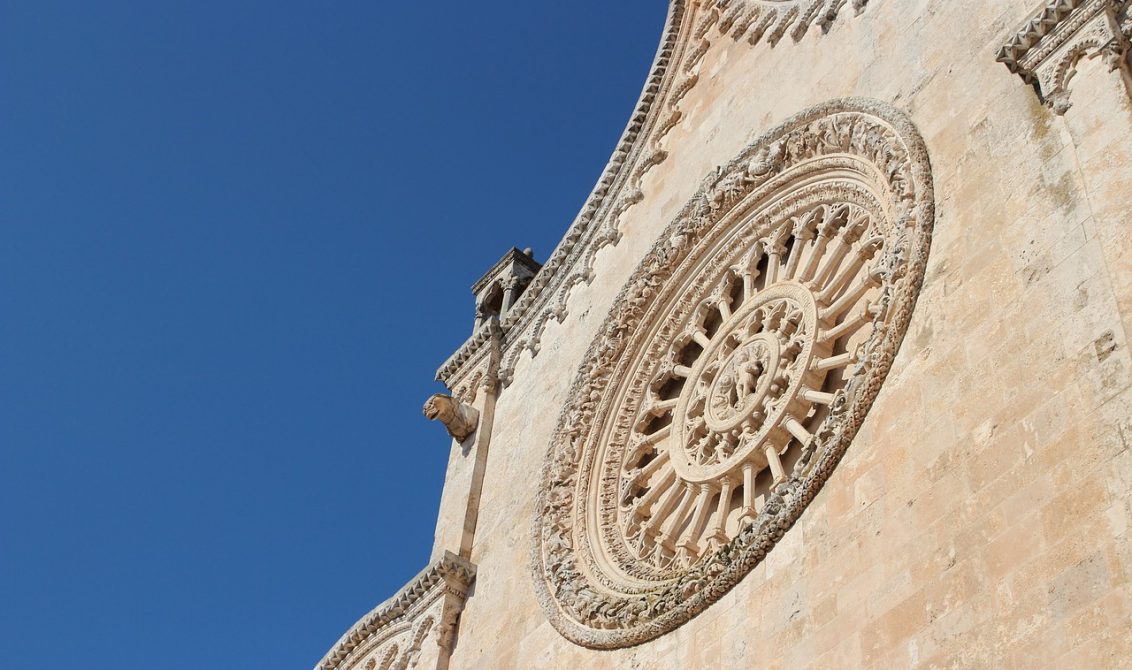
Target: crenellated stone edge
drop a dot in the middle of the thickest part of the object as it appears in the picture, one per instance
(690, 29)
(1046, 49)
(449, 575)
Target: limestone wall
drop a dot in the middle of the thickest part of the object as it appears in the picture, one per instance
(980, 517)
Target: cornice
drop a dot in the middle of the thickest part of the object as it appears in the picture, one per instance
(512, 257)
(449, 570)
(1045, 50)
(690, 29)
(537, 292)
(475, 350)
(1034, 29)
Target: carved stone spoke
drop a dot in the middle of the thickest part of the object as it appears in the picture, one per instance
(748, 401)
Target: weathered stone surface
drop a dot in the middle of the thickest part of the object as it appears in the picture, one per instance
(1047, 48)
(980, 515)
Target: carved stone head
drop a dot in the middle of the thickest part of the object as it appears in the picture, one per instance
(458, 418)
(440, 407)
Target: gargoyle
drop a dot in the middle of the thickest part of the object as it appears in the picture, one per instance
(458, 418)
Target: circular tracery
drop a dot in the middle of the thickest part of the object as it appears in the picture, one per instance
(748, 377)
(729, 378)
(764, 344)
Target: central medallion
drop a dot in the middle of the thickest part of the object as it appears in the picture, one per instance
(735, 387)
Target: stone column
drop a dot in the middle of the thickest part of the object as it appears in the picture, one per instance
(467, 462)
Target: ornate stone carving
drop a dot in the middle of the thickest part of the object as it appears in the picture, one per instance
(458, 418)
(419, 620)
(498, 290)
(689, 32)
(1046, 49)
(481, 368)
(733, 371)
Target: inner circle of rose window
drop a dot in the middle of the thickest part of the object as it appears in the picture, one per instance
(746, 389)
(755, 370)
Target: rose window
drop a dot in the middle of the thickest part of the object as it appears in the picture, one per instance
(732, 373)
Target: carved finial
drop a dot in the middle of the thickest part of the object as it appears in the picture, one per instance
(460, 419)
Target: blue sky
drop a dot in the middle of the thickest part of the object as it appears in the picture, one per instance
(236, 241)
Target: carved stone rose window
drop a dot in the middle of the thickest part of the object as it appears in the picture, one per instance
(734, 369)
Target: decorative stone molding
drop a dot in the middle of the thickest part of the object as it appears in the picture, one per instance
(689, 32)
(418, 623)
(734, 369)
(458, 418)
(1047, 48)
(480, 368)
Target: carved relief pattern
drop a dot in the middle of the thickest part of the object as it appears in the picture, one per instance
(401, 649)
(689, 33)
(482, 371)
(394, 635)
(734, 369)
(1046, 50)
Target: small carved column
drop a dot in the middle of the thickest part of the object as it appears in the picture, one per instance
(511, 295)
(499, 289)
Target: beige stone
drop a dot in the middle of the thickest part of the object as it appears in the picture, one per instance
(974, 512)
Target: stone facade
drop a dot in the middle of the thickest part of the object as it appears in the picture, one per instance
(831, 370)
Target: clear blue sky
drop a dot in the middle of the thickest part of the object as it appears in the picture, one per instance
(236, 241)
